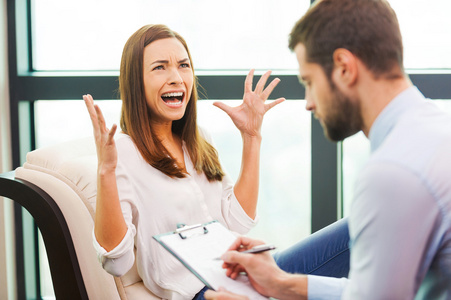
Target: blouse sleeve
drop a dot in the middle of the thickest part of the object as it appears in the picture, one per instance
(119, 260)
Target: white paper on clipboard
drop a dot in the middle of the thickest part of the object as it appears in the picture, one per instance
(196, 247)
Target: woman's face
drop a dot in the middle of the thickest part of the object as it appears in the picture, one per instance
(168, 79)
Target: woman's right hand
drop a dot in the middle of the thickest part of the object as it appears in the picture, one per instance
(110, 227)
(104, 137)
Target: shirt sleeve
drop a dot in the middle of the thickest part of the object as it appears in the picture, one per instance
(391, 219)
(325, 288)
(120, 259)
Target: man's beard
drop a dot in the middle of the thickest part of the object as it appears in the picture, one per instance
(344, 117)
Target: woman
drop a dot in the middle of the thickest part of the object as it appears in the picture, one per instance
(162, 170)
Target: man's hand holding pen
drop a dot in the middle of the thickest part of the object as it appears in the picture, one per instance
(253, 258)
(261, 269)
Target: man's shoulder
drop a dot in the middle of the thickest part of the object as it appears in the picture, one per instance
(417, 137)
(420, 145)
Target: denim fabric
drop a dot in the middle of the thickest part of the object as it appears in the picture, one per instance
(325, 253)
(200, 295)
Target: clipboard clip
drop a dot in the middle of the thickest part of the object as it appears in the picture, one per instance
(182, 228)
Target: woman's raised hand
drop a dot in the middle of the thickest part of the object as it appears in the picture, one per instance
(248, 117)
(104, 137)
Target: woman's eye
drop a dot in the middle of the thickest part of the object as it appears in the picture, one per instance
(184, 65)
(158, 68)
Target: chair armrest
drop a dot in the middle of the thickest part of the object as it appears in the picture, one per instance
(66, 275)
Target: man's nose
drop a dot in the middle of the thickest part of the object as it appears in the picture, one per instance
(310, 104)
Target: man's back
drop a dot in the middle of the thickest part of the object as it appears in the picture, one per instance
(401, 218)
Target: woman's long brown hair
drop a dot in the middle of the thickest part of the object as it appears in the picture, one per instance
(135, 114)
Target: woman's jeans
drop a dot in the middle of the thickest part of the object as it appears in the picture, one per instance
(325, 252)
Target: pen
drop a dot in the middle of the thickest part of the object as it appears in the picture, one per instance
(256, 249)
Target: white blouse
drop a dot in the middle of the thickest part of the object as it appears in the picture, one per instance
(153, 203)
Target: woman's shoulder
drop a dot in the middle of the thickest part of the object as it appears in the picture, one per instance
(205, 134)
(123, 140)
(126, 147)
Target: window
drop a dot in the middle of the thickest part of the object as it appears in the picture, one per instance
(221, 35)
(225, 44)
(226, 38)
(284, 203)
(69, 119)
(425, 46)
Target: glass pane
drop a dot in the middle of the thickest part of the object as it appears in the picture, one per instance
(284, 204)
(233, 34)
(59, 121)
(425, 46)
(356, 151)
(94, 32)
(285, 193)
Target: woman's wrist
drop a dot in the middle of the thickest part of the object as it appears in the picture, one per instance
(106, 170)
(254, 138)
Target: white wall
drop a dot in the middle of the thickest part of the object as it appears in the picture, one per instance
(7, 259)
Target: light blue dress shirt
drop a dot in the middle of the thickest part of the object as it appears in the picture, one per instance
(400, 220)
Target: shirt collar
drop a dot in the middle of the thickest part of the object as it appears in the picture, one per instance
(387, 119)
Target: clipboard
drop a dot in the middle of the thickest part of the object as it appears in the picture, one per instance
(197, 246)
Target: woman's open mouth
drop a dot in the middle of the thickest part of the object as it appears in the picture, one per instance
(173, 99)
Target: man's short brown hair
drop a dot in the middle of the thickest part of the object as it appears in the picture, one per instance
(367, 28)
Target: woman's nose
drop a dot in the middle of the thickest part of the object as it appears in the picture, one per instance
(174, 77)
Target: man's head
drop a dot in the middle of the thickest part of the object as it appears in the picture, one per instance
(328, 40)
(367, 28)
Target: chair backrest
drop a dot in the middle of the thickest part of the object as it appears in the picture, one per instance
(67, 173)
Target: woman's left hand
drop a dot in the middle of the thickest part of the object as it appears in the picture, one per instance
(248, 117)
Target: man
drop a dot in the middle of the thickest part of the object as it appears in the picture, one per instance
(350, 60)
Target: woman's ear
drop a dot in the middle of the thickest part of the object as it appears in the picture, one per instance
(345, 69)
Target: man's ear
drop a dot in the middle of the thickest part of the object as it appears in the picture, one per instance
(345, 67)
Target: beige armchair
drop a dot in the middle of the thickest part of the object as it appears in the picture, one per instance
(57, 185)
